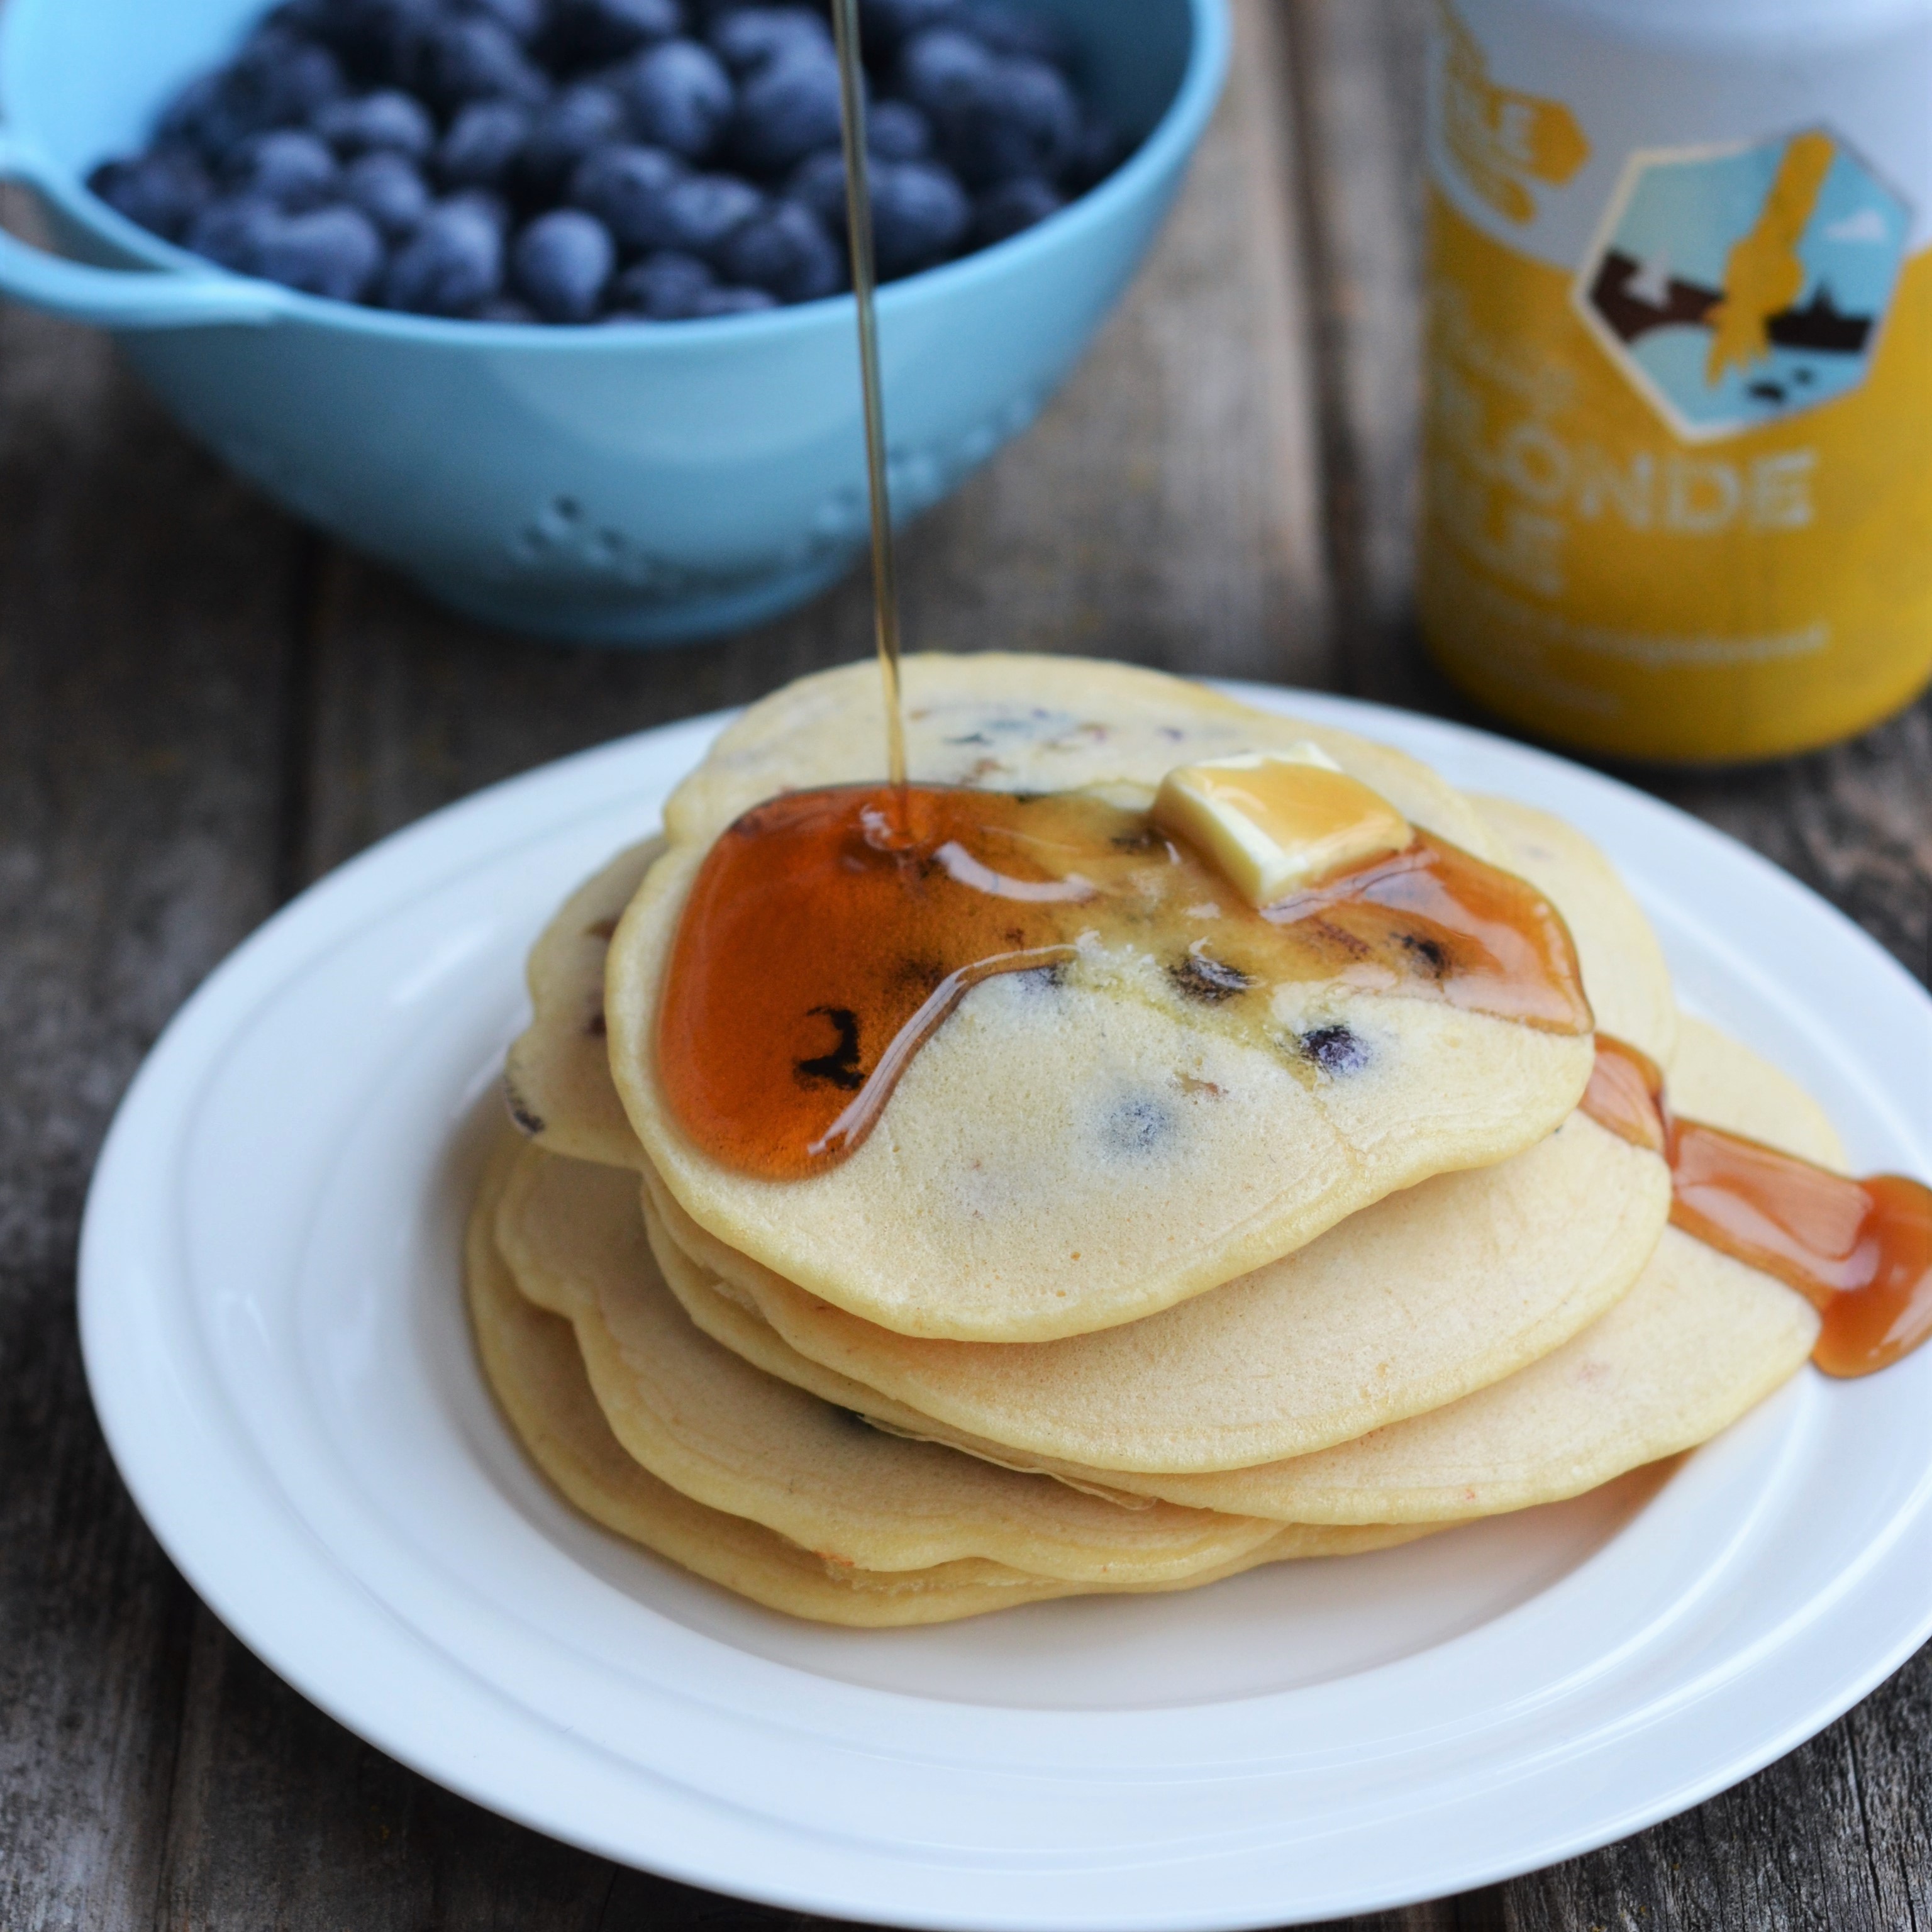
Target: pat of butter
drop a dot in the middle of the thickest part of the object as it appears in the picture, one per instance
(1276, 821)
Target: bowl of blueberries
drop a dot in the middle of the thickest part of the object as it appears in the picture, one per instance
(546, 302)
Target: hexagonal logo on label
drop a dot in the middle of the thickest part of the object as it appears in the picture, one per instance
(1736, 286)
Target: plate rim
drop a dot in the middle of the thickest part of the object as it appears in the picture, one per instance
(281, 939)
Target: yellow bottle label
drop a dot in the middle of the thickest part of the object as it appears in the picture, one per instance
(1679, 498)
(1502, 140)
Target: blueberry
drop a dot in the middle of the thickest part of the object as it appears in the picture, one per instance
(1199, 976)
(884, 24)
(1336, 1050)
(273, 82)
(453, 263)
(920, 215)
(279, 77)
(388, 189)
(288, 166)
(491, 207)
(195, 118)
(585, 31)
(1100, 149)
(818, 181)
(375, 37)
(747, 37)
(163, 190)
(329, 251)
(786, 109)
(521, 19)
(734, 301)
(1136, 1126)
(895, 130)
(666, 286)
(1008, 30)
(1011, 206)
(561, 263)
(944, 72)
(783, 250)
(388, 121)
(1027, 122)
(504, 308)
(699, 213)
(623, 186)
(468, 58)
(680, 97)
(307, 19)
(232, 231)
(483, 144)
(568, 127)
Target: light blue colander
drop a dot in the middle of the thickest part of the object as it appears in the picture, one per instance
(633, 485)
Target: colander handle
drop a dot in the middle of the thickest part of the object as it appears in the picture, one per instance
(119, 298)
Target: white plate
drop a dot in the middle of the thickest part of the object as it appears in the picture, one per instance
(270, 1307)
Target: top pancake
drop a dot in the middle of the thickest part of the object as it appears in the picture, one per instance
(1008, 721)
(559, 1071)
(1063, 1155)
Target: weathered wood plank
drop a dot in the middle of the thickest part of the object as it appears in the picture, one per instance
(143, 608)
(1854, 823)
(1441, 1916)
(1784, 1851)
(281, 1819)
(1354, 75)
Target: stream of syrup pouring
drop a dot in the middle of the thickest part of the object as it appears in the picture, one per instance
(865, 291)
(829, 933)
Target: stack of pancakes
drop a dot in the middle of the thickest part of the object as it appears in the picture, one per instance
(1112, 1298)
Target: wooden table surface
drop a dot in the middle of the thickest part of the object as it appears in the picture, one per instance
(203, 707)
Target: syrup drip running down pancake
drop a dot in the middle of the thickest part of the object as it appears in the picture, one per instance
(1859, 1251)
(1624, 972)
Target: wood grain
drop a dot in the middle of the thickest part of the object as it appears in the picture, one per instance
(204, 707)
(143, 603)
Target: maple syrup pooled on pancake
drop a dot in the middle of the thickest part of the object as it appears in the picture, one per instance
(1859, 1251)
(829, 932)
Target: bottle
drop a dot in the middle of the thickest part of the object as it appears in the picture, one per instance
(1678, 459)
